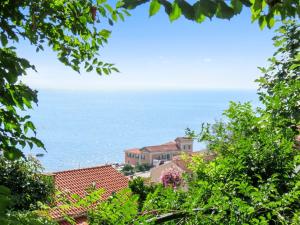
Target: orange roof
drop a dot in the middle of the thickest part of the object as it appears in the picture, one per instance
(133, 150)
(168, 147)
(78, 180)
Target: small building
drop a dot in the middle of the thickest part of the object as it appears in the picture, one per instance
(78, 181)
(179, 163)
(163, 152)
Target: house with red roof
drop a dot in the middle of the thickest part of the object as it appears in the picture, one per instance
(78, 181)
(163, 152)
(180, 163)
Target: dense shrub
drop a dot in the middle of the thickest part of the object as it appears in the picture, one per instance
(127, 170)
(27, 184)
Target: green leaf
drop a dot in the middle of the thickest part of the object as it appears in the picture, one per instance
(237, 6)
(246, 3)
(101, 1)
(105, 33)
(114, 16)
(109, 8)
(262, 22)
(176, 12)
(131, 4)
(270, 21)
(3, 39)
(119, 4)
(208, 8)
(224, 11)
(154, 7)
(187, 10)
(13, 154)
(82, 19)
(89, 69)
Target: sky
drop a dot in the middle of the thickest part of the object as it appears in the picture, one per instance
(155, 54)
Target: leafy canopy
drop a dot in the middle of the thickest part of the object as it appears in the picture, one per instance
(25, 180)
(71, 29)
(265, 11)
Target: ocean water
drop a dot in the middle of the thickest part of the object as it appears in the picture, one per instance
(81, 129)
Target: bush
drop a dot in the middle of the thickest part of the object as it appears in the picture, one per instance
(27, 218)
(127, 170)
(27, 184)
(142, 167)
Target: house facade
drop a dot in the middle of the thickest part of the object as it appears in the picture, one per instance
(163, 152)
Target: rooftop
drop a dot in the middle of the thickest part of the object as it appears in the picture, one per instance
(78, 180)
(167, 147)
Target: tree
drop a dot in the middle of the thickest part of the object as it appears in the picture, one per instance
(71, 29)
(138, 187)
(25, 180)
(127, 170)
(265, 11)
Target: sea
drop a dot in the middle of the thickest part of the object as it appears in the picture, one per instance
(89, 128)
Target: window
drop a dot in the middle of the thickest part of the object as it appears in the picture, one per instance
(142, 156)
(189, 146)
(136, 156)
(168, 156)
(184, 147)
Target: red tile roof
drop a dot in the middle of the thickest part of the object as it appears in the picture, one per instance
(167, 147)
(170, 146)
(133, 150)
(78, 180)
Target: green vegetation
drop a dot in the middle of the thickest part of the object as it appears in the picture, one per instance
(27, 218)
(263, 11)
(127, 170)
(142, 167)
(24, 188)
(130, 170)
(138, 187)
(25, 180)
(69, 28)
(252, 181)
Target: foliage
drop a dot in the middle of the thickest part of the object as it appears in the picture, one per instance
(120, 208)
(71, 29)
(127, 170)
(142, 167)
(27, 218)
(279, 87)
(25, 180)
(263, 11)
(171, 178)
(138, 187)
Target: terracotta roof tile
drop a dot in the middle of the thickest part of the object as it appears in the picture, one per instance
(78, 180)
(133, 150)
(170, 146)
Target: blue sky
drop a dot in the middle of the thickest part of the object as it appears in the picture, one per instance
(155, 54)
